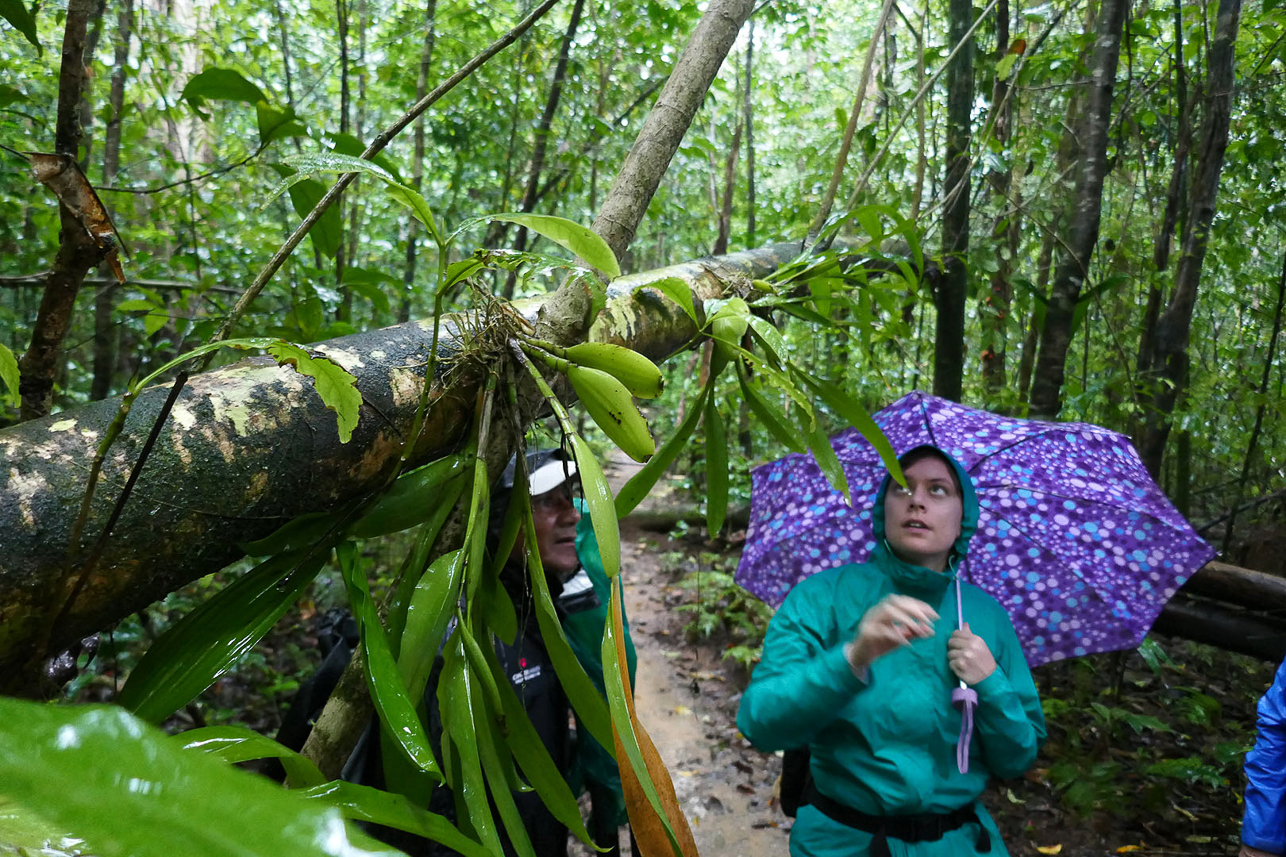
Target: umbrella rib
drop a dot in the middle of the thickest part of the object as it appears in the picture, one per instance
(1042, 433)
(1055, 496)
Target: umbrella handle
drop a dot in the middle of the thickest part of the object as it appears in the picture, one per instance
(964, 698)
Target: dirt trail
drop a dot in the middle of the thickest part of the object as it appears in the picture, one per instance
(687, 701)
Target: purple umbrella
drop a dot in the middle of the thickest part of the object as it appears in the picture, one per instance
(1074, 538)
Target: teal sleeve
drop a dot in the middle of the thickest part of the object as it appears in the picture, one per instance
(1009, 723)
(802, 683)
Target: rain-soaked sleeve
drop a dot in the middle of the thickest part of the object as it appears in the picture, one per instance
(1264, 823)
(1009, 722)
(803, 680)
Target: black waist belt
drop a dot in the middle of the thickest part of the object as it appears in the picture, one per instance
(926, 827)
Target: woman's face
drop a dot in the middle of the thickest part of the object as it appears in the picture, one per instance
(922, 520)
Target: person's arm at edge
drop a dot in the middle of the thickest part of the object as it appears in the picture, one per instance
(801, 683)
(1264, 821)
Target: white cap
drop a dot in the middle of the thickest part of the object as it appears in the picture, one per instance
(550, 475)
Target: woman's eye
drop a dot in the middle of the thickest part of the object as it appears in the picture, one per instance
(938, 490)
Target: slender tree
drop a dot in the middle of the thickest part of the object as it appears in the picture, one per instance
(1072, 269)
(953, 287)
(1168, 365)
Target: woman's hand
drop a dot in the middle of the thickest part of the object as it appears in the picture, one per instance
(1247, 851)
(969, 657)
(893, 622)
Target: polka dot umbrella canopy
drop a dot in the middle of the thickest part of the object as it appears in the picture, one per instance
(1074, 538)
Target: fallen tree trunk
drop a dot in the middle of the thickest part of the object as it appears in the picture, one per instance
(251, 446)
(1243, 587)
(1224, 627)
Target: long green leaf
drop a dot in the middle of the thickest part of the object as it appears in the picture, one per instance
(457, 722)
(592, 249)
(716, 469)
(416, 565)
(394, 706)
(239, 744)
(129, 790)
(8, 373)
(768, 413)
(590, 709)
(602, 508)
(363, 803)
(207, 642)
(419, 207)
(677, 290)
(824, 455)
(410, 500)
(294, 535)
(532, 756)
(855, 415)
(427, 618)
(633, 491)
(497, 764)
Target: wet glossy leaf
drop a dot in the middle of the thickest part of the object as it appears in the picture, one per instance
(454, 691)
(410, 500)
(591, 249)
(769, 414)
(129, 790)
(533, 758)
(855, 415)
(602, 508)
(426, 620)
(419, 207)
(207, 642)
(677, 290)
(219, 84)
(826, 459)
(239, 744)
(8, 374)
(395, 707)
(591, 711)
(363, 803)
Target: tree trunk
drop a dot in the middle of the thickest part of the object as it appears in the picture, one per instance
(251, 446)
(729, 185)
(1173, 204)
(76, 250)
(1073, 266)
(649, 157)
(106, 335)
(749, 118)
(417, 165)
(1004, 230)
(1170, 352)
(948, 347)
(1216, 625)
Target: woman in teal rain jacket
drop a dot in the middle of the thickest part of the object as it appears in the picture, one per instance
(859, 668)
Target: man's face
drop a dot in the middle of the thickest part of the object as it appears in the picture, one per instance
(555, 519)
(922, 521)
